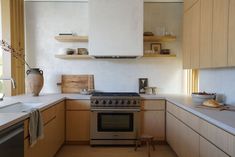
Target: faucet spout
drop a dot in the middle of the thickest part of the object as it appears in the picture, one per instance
(12, 81)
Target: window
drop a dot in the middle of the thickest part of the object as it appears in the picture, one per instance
(1, 68)
(192, 81)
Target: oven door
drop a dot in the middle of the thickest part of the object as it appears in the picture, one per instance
(119, 124)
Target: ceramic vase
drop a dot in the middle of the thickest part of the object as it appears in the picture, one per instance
(35, 81)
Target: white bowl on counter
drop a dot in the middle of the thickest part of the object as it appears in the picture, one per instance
(199, 98)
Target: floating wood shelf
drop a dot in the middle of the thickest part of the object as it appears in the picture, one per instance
(89, 57)
(73, 56)
(159, 55)
(159, 38)
(71, 38)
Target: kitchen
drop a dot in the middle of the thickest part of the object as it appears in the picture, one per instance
(197, 33)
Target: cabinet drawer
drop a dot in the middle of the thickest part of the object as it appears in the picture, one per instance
(153, 105)
(190, 120)
(217, 136)
(185, 116)
(207, 149)
(78, 105)
(173, 109)
(47, 115)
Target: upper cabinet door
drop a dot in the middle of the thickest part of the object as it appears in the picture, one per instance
(116, 27)
(231, 45)
(191, 37)
(188, 4)
(220, 33)
(206, 33)
(195, 35)
(186, 41)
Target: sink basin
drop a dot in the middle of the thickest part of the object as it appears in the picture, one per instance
(19, 107)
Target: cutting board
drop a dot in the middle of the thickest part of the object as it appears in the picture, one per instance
(75, 83)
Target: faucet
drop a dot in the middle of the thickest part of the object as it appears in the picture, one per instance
(13, 85)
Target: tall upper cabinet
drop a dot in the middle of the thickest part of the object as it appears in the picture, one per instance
(191, 34)
(231, 45)
(211, 44)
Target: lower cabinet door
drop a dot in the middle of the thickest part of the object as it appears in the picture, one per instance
(153, 123)
(183, 140)
(209, 150)
(77, 126)
(45, 147)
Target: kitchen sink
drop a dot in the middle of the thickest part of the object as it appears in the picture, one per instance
(19, 107)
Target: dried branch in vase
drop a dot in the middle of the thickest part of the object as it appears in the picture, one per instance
(16, 54)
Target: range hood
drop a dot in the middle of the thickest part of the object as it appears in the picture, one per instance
(116, 29)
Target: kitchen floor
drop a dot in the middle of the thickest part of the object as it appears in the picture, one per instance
(87, 151)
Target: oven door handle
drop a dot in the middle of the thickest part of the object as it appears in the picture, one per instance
(115, 110)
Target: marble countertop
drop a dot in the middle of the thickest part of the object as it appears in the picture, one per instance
(222, 119)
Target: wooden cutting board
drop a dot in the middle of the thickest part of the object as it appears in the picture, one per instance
(75, 83)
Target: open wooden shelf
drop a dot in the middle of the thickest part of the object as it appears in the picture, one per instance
(89, 57)
(168, 38)
(159, 55)
(73, 56)
(71, 38)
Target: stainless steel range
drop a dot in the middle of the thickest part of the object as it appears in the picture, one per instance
(115, 118)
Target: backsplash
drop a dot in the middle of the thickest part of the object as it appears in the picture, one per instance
(44, 20)
(220, 81)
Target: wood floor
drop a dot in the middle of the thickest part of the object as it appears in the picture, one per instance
(87, 151)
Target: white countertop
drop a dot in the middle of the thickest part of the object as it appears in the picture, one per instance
(222, 119)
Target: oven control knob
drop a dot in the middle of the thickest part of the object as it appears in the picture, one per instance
(122, 102)
(134, 102)
(96, 102)
(104, 102)
(110, 102)
(128, 102)
(116, 102)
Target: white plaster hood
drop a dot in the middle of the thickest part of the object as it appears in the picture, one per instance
(116, 28)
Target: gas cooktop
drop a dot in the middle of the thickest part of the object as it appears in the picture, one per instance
(113, 94)
(115, 99)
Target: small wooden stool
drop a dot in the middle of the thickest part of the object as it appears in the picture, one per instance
(148, 140)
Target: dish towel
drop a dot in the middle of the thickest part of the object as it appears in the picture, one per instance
(35, 127)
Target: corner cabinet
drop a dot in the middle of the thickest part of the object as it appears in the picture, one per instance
(116, 27)
(54, 133)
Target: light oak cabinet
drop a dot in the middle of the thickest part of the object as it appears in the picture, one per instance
(208, 34)
(231, 39)
(208, 150)
(217, 136)
(180, 137)
(77, 121)
(220, 33)
(191, 36)
(53, 133)
(188, 4)
(205, 139)
(153, 119)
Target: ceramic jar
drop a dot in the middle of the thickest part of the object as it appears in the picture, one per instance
(35, 81)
